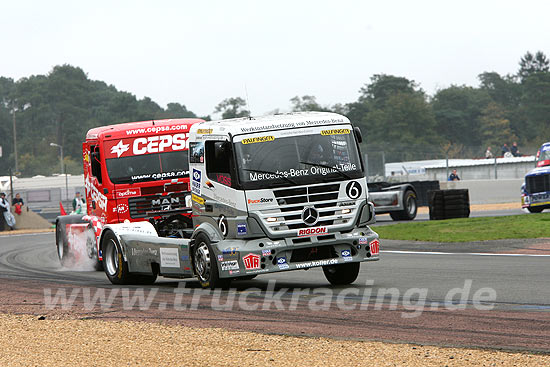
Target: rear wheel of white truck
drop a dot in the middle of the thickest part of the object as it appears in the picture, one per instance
(409, 207)
(342, 274)
(206, 265)
(116, 268)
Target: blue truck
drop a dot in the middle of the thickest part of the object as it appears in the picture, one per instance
(535, 191)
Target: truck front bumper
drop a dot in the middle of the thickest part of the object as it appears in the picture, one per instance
(237, 258)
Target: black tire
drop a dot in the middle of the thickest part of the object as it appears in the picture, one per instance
(62, 244)
(409, 207)
(205, 264)
(342, 274)
(535, 209)
(116, 268)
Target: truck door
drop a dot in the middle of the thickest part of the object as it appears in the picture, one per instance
(98, 200)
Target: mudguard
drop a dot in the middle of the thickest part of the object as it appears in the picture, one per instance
(122, 229)
(210, 230)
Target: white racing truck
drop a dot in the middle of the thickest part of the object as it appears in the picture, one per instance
(269, 194)
(397, 200)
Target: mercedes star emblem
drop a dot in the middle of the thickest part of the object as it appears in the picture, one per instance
(310, 216)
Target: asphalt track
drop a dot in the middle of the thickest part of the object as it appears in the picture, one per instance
(419, 292)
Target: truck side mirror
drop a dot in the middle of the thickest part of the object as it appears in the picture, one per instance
(358, 135)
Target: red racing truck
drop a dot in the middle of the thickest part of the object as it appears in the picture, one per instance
(137, 171)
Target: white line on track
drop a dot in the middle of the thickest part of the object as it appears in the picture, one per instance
(25, 234)
(457, 253)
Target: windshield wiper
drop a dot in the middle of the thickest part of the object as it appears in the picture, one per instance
(342, 173)
(272, 173)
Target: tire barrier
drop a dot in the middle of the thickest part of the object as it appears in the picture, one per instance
(447, 204)
(423, 189)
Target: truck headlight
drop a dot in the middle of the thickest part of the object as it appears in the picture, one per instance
(271, 219)
(346, 211)
(188, 202)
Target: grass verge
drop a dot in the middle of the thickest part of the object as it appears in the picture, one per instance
(470, 229)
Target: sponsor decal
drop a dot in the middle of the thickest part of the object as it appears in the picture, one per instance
(251, 262)
(196, 152)
(336, 132)
(128, 193)
(260, 201)
(374, 247)
(241, 229)
(230, 251)
(363, 240)
(184, 258)
(169, 258)
(158, 144)
(354, 189)
(266, 252)
(204, 131)
(273, 244)
(146, 145)
(346, 254)
(223, 179)
(346, 203)
(197, 199)
(196, 182)
(120, 148)
(290, 125)
(281, 263)
(314, 170)
(97, 196)
(315, 231)
(222, 224)
(143, 251)
(220, 258)
(209, 184)
(120, 208)
(230, 265)
(311, 264)
(258, 139)
(233, 272)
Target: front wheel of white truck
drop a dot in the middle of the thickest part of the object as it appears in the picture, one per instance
(342, 274)
(115, 266)
(206, 264)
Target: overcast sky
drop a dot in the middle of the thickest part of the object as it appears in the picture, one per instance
(199, 52)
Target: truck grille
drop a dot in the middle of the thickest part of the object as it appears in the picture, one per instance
(291, 204)
(140, 206)
(539, 183)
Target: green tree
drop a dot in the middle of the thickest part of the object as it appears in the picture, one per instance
(495, 127)
(307, 103)
(535, 105)
(232, 108)
(531, 64)
(457, 112)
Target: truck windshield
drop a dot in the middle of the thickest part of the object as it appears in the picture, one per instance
(265, 161)
(148, 167)
(544, 156)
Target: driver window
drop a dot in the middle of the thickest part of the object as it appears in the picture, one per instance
(95, 160)
(218, 157)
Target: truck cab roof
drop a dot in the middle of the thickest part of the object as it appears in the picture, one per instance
(140, 128)
(246, 125)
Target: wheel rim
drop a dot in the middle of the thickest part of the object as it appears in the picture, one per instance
(110, 258)
(411, 205)
(202, 262)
